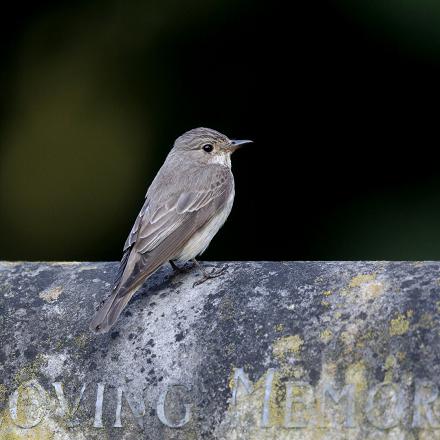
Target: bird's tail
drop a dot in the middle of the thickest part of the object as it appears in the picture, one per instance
(107, 315)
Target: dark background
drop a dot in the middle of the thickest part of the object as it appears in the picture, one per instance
(340, 97)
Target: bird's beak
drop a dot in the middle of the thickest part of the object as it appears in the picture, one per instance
(236, 143)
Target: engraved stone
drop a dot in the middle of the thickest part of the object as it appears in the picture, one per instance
(65, 411)
(269, 350)
(138, 410)
(163, 415)
(347, 394)
(31, 401)
(384, 407)
(98, 406)
(267, 392)
(426, 395)
(300, 395)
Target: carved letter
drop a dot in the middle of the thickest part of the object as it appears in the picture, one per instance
(267, 391)
(348, 393)
(98, 406)
(304, 399)
(138, 415)
(161, 409)
(425, 395)
(385, 412)
(36, 400)
(239, 375)
(64, 406)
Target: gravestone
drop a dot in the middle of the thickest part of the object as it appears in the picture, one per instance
(270, 350)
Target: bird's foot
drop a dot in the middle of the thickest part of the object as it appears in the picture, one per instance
(180, 270)
(208, 275)
(176, 268)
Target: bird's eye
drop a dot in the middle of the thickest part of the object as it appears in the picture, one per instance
(208, 148)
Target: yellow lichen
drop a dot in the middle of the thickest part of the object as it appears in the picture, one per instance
(355, 374)
(286, 345)
(276, 401)
(365, 286)
(279, 327)
(329, 370)
(298, 372)
(322, 419)
(31, 370)
(11, 432)
(360, 344)
(51, 295)
(401, 355)
(369, 335)
(247, 413)
(390, 363)
(231, 381)
(399, 325)
(81, 340)
(358, 280)
(327, 293)
(33, 407)
(349, 335)
(372, 290)
(58, 344)
(326, 336)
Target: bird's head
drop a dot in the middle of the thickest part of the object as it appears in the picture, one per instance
(208, 146)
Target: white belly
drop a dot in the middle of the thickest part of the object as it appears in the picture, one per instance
(201, 239)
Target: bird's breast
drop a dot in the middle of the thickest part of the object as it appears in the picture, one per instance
(198, 243)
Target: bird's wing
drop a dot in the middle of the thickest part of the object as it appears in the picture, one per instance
(166, 211)
(163, 227)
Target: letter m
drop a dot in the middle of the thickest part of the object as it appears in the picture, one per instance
(347, 394)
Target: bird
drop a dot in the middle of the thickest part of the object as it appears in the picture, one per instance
(186, 204)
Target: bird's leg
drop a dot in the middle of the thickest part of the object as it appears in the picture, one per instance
(178, 269)
(208, 275)
(175, 267)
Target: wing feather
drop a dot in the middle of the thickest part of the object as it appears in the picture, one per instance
(162, 214)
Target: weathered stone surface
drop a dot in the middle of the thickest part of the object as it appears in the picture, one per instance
(307, 350)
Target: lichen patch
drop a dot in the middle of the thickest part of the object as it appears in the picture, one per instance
(51, 295)
(287, 345)
(400, 325)
(326, 336)
(358, 280)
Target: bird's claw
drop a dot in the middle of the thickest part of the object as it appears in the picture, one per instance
(208, 275)
(181, 270)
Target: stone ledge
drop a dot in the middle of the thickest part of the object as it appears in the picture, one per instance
(285, 350)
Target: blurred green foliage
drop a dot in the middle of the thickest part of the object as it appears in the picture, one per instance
(81, 138)
(413, 25)
(94, 93)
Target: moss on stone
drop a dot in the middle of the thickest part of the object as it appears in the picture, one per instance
(326, 336)
(287, 345)
(30, 371)
(358, 280)
(399, 325)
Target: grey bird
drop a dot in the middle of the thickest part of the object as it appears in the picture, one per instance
(186, 204)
